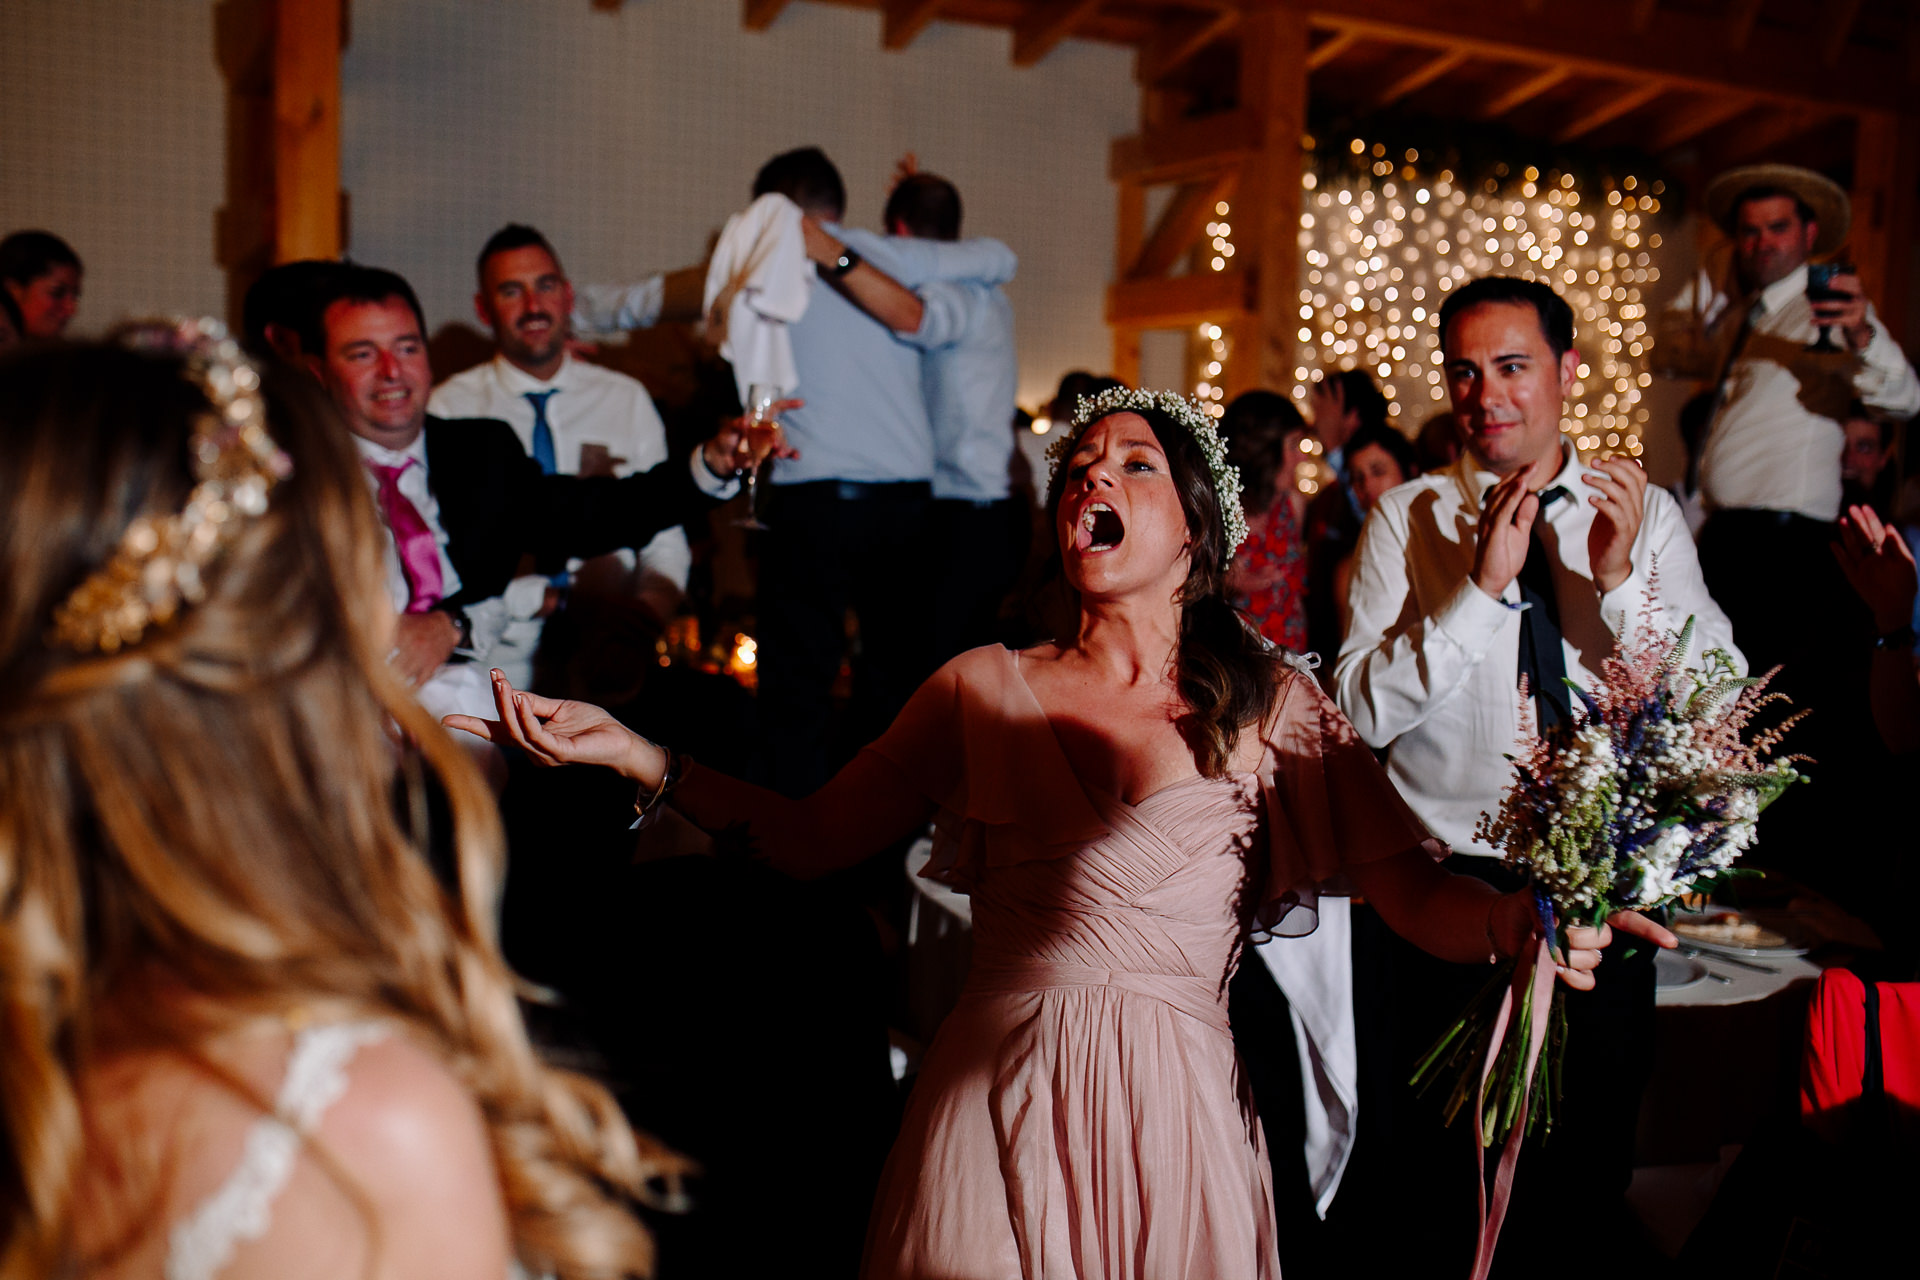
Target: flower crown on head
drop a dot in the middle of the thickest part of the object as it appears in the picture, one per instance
(1190, 414)
(157, 568)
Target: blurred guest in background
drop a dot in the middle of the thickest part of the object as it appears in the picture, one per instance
(1344, 402)
(1866, 475)
(9, 320)
(1438, 443)
(284, 302)
(1268, 576)
(1378, 459)
(40, 273)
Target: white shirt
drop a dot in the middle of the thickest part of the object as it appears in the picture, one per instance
(970, 376)
(1775, 443)
(615, 308)
(592, 405)
(1430, 667)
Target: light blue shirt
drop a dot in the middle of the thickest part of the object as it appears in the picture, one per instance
(971, 377)
(865, 416)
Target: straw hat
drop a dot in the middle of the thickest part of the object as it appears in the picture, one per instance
(1831, 209)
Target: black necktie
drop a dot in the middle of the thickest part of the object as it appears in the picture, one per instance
(1543, 663)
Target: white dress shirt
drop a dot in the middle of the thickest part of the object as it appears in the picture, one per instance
(593, 405)
(460, 687)
(1430, 667)
(1775, 443)
(970, 374)
(615, 308)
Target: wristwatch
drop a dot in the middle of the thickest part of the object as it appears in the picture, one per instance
(462, 624)
(846, 262)
(1899, 639)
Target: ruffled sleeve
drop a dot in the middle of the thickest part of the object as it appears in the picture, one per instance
(1329, 806)
(975, 742)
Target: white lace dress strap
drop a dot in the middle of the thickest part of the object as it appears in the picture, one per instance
(202, 1244)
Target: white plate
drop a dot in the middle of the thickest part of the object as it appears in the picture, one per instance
(1674, 972)
(1729, 949)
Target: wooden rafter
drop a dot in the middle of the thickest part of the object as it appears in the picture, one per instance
(1176, 45)
(1607, 109)
(1840, 27)
(758, 15)
(1768, 132)
(1419, 77)
(902, 20)
(1180, 226)
(1336, 43)
(1046, 25)
(1181, 300)
(1518, 95)
(1177, 151)
(1684, 47)
(1688, 123)
(1740, 21)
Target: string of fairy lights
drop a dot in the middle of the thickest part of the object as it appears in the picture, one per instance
(1383, 240)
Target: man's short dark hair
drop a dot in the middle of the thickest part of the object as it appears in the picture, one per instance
(512, 236)
(291, 296)
(806, 177)
(358, 284)
(1768, 192)
(928, 206)
(1556, 317)
(1359, 393)
(25, 256)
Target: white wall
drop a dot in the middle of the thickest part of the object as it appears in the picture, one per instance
(628, 138)
(113, 136)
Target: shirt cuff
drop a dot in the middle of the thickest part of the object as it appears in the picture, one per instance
(1472, 618)
(713, 486)
(1618, 606)
(485, 623)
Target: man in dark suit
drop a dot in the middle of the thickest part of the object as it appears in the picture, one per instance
(462, 501)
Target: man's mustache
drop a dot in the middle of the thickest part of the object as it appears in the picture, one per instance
(530, 317)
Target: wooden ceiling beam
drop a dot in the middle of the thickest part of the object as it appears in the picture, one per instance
(1046, 26)
(1336, 43)
(902, 20)
(758, 15)
(1182, 300)
(1176, 45)
(1419, 77)
(1201, 145)
(1756, 138)
(1520, 94)
(1186, 216)
(1840, 27)
(1740, 20)
(1685, 48)
(1685, 125)
(1605, 110)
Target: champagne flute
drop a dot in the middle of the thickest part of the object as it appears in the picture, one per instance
(1820, 289)
(756, 443)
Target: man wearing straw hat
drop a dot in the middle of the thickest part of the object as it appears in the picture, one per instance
(1770, 464)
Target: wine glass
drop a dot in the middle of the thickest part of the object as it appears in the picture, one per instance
(1820, 289)
(758, 441)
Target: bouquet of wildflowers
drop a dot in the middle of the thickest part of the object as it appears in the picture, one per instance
(1651, 792)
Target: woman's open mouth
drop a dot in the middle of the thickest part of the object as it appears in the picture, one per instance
(1100, 530)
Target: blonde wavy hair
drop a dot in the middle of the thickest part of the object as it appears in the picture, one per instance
(221, 808)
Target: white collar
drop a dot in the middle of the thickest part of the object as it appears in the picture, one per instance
(1472, 480)
(372, 451)
(1777, 294)
(519, 381)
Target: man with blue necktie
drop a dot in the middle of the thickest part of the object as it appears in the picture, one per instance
(572, 417)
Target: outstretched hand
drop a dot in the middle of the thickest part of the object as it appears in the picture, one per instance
(1584, 945)
(554, 732)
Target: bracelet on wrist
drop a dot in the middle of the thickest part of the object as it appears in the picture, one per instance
(1900, 639)
(676, 769)
(1493, 943)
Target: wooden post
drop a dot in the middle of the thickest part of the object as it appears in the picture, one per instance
(1886, 157)
(1266, 206)
(281, 59)
(1130, 235)
(306, 129)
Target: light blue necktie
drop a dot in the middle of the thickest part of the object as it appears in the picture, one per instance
(542, 433)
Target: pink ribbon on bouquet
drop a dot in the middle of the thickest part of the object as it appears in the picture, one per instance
(1541, 995)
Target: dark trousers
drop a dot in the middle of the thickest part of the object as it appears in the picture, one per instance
(1416, 1174)
(1776, 578)
(834, 547)
(980, 548)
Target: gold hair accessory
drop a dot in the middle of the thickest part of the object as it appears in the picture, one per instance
(158, 566)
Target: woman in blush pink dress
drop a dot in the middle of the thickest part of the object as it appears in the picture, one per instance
(1124, 805)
